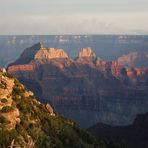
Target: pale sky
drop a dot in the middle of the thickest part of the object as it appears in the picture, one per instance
(73, 17)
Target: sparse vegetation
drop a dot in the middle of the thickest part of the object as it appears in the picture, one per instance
(8, 75)
(7, 109)
(6, 137)
(4, 100)
(3, 120)
(3, 84)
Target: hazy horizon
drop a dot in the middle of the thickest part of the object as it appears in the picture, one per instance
(91, 17)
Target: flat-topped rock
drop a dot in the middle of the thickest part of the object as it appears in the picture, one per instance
(50, 53)
(86, 52)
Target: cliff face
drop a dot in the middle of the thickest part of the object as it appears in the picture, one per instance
(134, 135)
(28, 54)
(86, 89)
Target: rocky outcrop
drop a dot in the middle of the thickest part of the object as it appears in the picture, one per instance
(86, 55)
(7, 108)
(50, 53)
(28, 54)
(87, 52)
(50, 110)
(88, 90)
(133, 136)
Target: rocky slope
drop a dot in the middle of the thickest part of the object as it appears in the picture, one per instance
(25, 122)
(28, 54)
(134, 59)
(86, 89)
(134, 135)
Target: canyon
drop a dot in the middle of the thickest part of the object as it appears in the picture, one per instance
(26, 122)
(87, 88)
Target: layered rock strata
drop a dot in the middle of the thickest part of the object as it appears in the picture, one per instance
(86, 89)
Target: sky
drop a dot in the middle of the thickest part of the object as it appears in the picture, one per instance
(48, 17)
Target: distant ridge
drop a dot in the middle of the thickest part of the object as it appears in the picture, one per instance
(134, 135)
(28, 54)
(40, 52)
(108, 47)
(134, 59)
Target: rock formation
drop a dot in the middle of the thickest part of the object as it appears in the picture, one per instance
(50, 53)
(134, 59)
(86, 89)
(6, 102)
(28, 54)
(87, 52)
(108, 47)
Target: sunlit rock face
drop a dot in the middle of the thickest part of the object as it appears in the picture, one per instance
(86, 55)
(50, 53)
(87, 52)
(87, 89)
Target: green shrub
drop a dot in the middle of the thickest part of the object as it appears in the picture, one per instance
(8, 75)
(6, 137)
(2, 85)
(24, 107)
(7, 109)
(17, 90)
(3, 120)
(4, 100)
